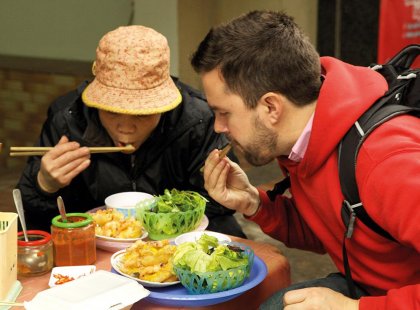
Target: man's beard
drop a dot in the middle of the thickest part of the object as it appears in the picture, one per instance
(262, 148)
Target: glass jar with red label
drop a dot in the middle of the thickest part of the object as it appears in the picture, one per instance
(74, 240)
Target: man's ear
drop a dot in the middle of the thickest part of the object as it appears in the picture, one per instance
(272, 105)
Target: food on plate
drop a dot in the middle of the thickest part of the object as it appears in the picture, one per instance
(112, 223)
(205, 266)
(64, 274)
(208, 255)
(62, 279)
(149, 261)
(177, 201)
(195, 235)
(171, 214)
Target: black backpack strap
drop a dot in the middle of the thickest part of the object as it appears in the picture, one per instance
(352, 207)
(405, 58)
(400, 63)
(279, 188)
(347, 156)
(401, 80)
(385, 108)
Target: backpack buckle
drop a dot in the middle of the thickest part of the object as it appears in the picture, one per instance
(376, 67)
(407, 77)
(349, 217)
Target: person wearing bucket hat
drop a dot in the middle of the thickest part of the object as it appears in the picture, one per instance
(134, 100)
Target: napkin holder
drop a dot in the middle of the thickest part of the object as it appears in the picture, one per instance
(10, 287)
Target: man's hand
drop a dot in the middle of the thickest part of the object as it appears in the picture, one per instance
(318, 298)
(62, 164)
(228, 184)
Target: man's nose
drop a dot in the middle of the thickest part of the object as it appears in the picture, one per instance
(220, 126)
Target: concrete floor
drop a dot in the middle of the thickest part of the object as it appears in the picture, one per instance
(304, 265)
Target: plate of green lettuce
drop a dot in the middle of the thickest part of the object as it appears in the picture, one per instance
(181, 296)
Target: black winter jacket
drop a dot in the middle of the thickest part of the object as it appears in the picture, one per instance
(170, 158)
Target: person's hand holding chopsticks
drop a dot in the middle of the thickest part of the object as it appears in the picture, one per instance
(228, 184)
(62, 164)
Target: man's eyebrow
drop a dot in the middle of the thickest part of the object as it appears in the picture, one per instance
(211, 106)
(214, 108)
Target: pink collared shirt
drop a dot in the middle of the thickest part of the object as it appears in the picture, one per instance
(299, 149)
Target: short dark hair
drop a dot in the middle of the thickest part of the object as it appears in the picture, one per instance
(260, 52)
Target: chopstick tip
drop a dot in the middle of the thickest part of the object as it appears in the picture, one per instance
(225, 150)
(129, 148)
(223, 153)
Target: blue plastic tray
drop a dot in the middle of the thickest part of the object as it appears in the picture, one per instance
(178, 296)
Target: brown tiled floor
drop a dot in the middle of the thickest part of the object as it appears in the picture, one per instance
(305, 265)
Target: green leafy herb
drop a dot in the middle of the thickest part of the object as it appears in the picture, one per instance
(173, 201)
(172, 213)
(208, 255)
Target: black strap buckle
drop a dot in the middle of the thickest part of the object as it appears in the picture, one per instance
(349, 217)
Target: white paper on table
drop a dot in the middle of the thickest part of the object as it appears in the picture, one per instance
(99, 290)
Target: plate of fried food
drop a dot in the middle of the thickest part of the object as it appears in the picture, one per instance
(114, 231)
(148, 262)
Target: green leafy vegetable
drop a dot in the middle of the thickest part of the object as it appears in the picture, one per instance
(177, 201)
(172, 213)
(208, 255)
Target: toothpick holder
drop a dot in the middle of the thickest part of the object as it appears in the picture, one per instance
(10, 287)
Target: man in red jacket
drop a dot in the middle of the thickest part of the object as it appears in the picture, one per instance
(275, 98)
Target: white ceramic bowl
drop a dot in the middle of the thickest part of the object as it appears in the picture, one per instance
(193, 236)
(125, 202)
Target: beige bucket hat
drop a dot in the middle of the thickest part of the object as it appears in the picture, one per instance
(132, 73)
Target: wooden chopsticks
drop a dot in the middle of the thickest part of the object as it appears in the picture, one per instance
(11, 303)
(222, 154)
(40, 150)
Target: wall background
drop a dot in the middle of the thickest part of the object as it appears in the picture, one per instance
(58, 29)
(196, 17)
(69, 30)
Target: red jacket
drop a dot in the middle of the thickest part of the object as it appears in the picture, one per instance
(388, 176)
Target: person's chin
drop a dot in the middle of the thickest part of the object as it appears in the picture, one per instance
(257, 160)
